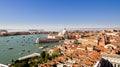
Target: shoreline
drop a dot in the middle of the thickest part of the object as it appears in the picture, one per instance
(21, 33)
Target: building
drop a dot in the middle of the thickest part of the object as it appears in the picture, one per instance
(114, 59)
(3, 32)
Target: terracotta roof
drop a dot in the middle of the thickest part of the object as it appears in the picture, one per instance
(102, 49)
(84, 56)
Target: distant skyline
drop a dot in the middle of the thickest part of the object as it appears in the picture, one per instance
(58, 14)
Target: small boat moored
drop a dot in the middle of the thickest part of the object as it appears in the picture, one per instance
(10, 48)
(43, 47)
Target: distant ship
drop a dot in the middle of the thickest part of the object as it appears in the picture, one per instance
(36, 30)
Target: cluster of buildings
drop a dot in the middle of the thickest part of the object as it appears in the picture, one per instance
(107, 41)
(86, 48)
(83, 49)
(72, 56)
(3, 32)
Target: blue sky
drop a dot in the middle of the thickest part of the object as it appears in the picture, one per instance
(55, 14)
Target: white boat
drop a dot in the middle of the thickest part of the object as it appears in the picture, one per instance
(37, 41)
(43, 47)
(40, 47)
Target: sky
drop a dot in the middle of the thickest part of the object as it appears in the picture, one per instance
(56, 14)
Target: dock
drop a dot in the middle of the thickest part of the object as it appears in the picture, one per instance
(2, 65)
(29, 56)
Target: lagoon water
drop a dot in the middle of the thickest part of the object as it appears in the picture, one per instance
(13, 47)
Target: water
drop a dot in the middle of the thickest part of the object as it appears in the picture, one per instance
(19, 44)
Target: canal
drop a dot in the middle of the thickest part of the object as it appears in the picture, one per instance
(13, 47)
